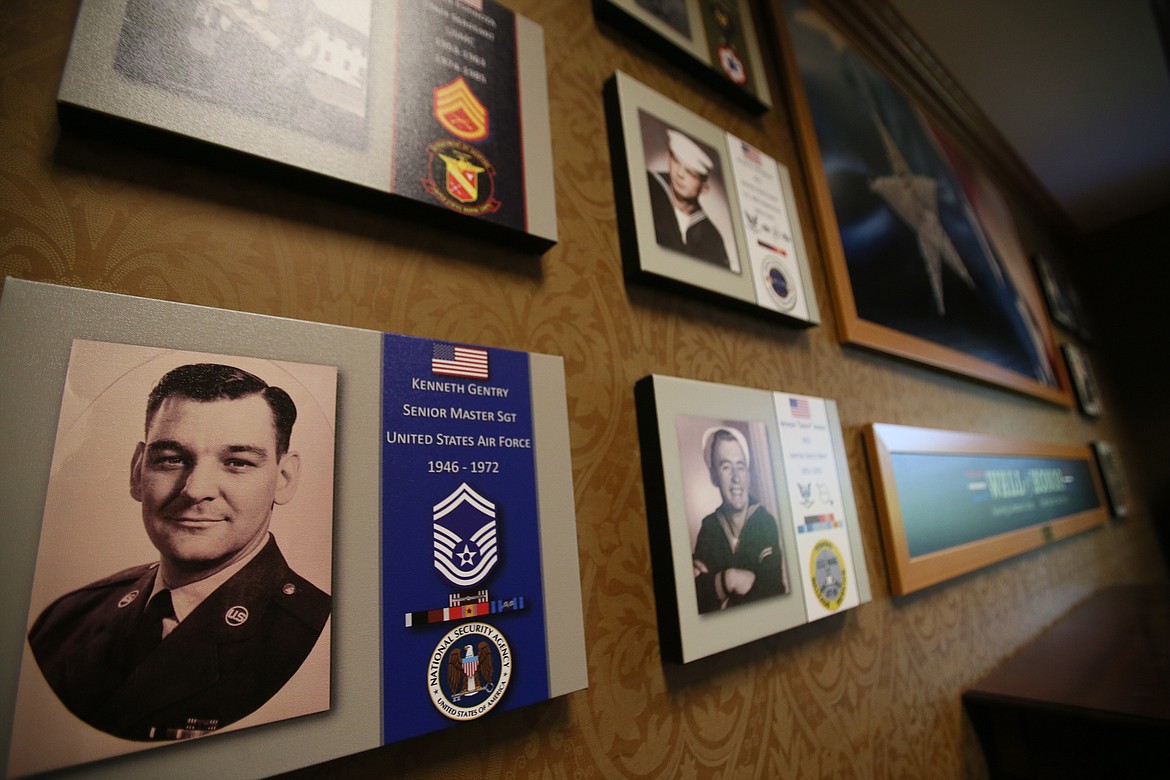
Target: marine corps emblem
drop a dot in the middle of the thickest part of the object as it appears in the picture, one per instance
(465, 537)
(460, 112)
(467, 176)
(469, 671)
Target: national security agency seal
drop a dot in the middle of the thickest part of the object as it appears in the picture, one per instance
(469, 671)
(778, 284)
(828, 574)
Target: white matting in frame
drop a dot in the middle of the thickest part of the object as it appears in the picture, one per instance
(681, 424)
(701, 208)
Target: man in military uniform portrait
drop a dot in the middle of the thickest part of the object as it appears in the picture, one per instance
(737, 557)
(680, 222)
(213, 629)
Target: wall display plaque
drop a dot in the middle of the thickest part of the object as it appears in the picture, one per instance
(952, 502)
(442, 104)
(396, 564)
(1083, 379)
(714, 39)
(752, 521)
(702, 210)
(924, 258)
(1064, 304)
(1113, 477)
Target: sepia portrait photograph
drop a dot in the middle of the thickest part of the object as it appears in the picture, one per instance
(184, 569)
(731, 512)
(688, 185)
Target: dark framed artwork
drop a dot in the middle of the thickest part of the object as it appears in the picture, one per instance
(923, 254)
(952, 502)
(702, 210)
(1083, 379)
(1064, 303)
(750, 509)
(716, 39)
(473, 611)
(1113, 477)
(457, 127)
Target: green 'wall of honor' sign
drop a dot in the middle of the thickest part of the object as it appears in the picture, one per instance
(948, 500)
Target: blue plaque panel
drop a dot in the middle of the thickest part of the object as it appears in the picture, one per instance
(462, 603)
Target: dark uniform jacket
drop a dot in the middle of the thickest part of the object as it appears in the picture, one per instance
(758, 552)
(701, 241)
(211, 670)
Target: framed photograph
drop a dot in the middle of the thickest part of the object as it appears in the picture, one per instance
(715, 39)
(1064, 304)
(952, 502)
(197, 493)
(1113, 477)
(924, 259)
(701, 210)
(752, 520)
(446, 110)
(1083, 379)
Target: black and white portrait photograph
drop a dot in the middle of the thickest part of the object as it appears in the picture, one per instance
(688, 194)
(731, 512)
(184, 570)
(291, 63)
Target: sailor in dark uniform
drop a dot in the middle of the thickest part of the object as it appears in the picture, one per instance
(210, 632)
(680, 223)
(737, 557)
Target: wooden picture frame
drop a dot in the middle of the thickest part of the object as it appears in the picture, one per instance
(743, 242)
(716, 40)
(924, 260)
(799, 536)
(999, 497)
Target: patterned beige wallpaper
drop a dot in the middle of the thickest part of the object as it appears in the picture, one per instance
(872, 693)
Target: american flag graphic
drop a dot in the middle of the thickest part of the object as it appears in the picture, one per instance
(450, 360)
(751, 153)
(799, 407)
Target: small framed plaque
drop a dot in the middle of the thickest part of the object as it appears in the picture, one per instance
(1064, 304)
(1113, 477)
(266, 476)
(702, 210)
(953, 502)
(442, 104)
(1083, 379)
(753, 526)
(715, 39)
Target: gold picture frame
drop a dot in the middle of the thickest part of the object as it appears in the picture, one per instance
(999, 497)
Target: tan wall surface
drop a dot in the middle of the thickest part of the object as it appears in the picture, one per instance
(872, 693)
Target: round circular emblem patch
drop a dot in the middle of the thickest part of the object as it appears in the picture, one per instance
(469, 671)
(828, 574)
(461, 178)
(778, 284)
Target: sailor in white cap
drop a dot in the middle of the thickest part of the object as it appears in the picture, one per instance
(737, 557)
(679, 220)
